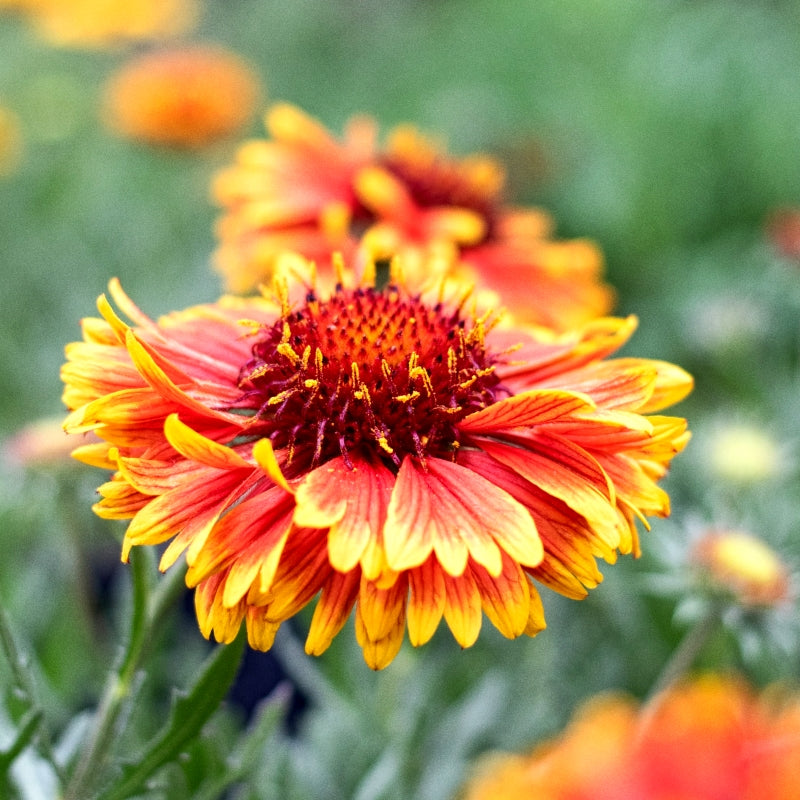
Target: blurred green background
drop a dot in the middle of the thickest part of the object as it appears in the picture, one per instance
(669, 132)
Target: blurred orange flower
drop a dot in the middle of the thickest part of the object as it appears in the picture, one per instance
(710, 739)
(185, 97)
(304, 190)
(102, 23)
(386, 448)
(10, 142)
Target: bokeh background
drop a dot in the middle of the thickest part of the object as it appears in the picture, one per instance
(666, 131)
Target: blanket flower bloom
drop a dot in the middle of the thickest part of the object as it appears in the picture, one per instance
(708, 739)
(304, 190)
(107, 23)
(186, 97)
(743, 566)
(385, 450)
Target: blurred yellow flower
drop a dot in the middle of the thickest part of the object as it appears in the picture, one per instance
(709, 739)
(184, 97)
(743, 565)
(102, 23)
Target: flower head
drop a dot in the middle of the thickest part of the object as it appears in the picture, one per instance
(182, 97)
(742, 565)
(383, 449)
(709, 739)
(102, 23)
(306, 191)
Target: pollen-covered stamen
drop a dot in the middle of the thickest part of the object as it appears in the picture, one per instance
(368, 372)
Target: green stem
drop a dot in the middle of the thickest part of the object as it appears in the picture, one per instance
(149, 610)
(21, 675)
(685, 654)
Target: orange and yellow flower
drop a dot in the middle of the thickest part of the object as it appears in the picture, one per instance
(304, 190)
(710, 739)
(382, 449)
(184, 97)
(743, 566)
(103, 23)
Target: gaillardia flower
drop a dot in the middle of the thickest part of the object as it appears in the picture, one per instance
(743, 566)
(306, 191)
(712, 738)
(186, 97)
(105, 23)
(381, 449)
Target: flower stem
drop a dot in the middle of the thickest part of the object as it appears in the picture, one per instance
(20, 672)
(684, 655)
(150, 607)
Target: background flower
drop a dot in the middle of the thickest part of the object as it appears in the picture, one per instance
(711, 738)
(104, 23)
(304, 190)
(183, 97)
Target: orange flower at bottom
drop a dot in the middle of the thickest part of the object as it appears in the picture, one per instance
(184, 97)
(383, 450)
(711, 739)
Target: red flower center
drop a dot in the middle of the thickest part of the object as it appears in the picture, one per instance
(374, 372)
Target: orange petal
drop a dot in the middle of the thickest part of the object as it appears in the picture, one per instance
(525, 410)
(452, 511)
(380, 608)
(378, 653)
(333, 608)
(506, 598)
(249, 539)
(187, 507)
(350, 502)
(260, 629)
(195, 447)
(264, 454)
(564, 470)
(536, 621)
(462, 608)
(425, 602)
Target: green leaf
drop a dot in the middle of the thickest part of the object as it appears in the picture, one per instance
(248, 752)
(27, 730)
(189, 714)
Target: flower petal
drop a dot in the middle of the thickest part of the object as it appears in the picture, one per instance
(425, 602)
(333, 608)
(452, 511)
(535, 407)
(350, 501)
(462, 608)
(563, 470)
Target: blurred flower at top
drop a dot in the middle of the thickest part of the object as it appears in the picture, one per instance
(712, 738)
(304, 190)
(10, 142)
(742, 565)
(185, 97)
(384, 448)
(104, 23)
